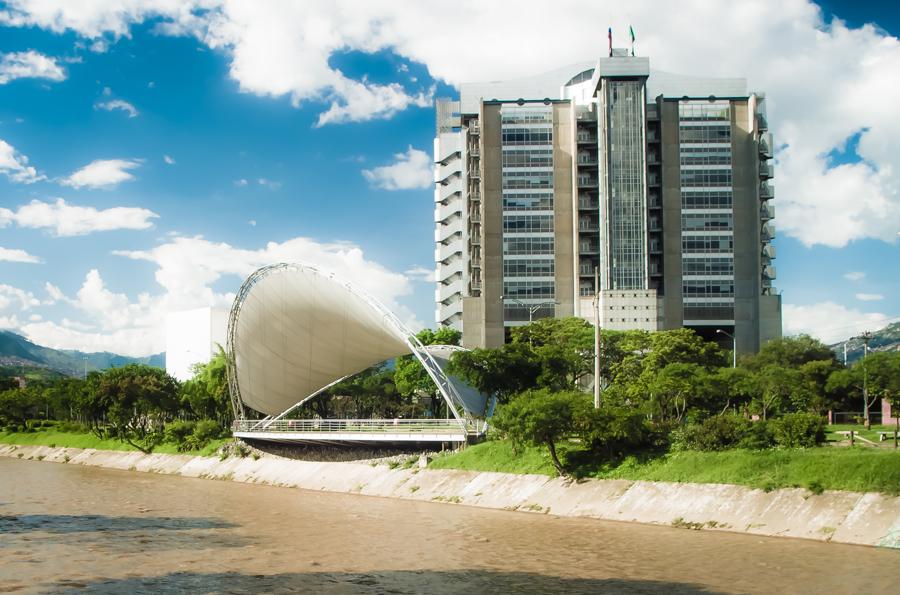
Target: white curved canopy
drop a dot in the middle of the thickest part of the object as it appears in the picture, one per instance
(295, 330)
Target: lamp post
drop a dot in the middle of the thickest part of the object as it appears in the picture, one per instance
(532, 308)
(733, 346)
(866, 337)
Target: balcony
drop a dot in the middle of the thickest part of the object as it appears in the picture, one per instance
(475, 173)
(653, 158)
(653, 180)
(588, 226)
(475, 217)
(586, 139)
(761, 122)
(585, 159)
(588, 248)
(768, 232)
(446, 291)
(475, 239)
(588, 205)
(769, 272)
(474, 151)
(768, 251)
(655, 248)
(654, 225)
(767, 212)
(586, 270)
(765, 145)
(766, 171)
(587, 182)
(586, 116)
(474, 127)
(766, 191)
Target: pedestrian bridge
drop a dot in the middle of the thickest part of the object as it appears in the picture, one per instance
(357, 431)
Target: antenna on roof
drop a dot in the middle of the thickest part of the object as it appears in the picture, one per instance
(631, 32)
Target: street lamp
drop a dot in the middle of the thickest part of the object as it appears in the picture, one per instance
(733, 346)
(532, 308)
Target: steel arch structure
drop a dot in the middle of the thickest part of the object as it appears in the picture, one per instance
(296, 330)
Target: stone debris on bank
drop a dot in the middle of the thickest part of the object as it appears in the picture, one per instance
(845, 517)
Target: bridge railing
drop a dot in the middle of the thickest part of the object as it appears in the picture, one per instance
(375, 426)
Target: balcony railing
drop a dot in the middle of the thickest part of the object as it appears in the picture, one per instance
(584, 139)
(587, 182)
(766, 191)
(766, 171)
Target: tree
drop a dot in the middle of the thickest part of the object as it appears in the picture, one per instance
(539, 417)
(789, 352)
(206, 394)
(410, 375)
(565, 346)
(138, 400)
(503, 372)
(773, 384)
(670, 389)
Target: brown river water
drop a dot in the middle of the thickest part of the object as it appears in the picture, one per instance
(66, 528)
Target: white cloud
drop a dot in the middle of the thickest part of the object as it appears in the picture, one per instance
(252, 222)
(17, 255)
(168, 160)
(186, 270)
(102, 173)
(265, 182)
(240, 183)
(14, 297)
(869, 297)
(816, 76)
(15, 166)
(30, 64)
(410, 170)
(71, 220)
(855, 276)
(118, 104)
(830, 322)
(421, 274)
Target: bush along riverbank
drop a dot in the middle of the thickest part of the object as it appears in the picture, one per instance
(844, 517)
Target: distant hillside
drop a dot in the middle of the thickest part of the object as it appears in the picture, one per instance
(886, 339)
(18, 353)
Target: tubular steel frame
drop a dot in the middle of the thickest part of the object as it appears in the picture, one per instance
(444, 386)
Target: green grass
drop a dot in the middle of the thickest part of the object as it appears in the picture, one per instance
(852, 469)
(831, 433)
(52, 437)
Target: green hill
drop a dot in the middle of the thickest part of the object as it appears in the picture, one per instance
(20, 356)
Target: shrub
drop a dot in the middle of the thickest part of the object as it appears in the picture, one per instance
(799, 429)
(206, 431)
(758, 437)
(719, 432)
(179, 433)
(614, 431)
(71, 426)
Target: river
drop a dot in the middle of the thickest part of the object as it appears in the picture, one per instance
(67, 528)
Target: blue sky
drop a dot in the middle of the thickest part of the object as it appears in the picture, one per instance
(205, 143)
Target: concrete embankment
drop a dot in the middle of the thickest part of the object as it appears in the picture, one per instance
(847, 517)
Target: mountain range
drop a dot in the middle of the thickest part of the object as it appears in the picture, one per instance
(18, 354)
(885, 339)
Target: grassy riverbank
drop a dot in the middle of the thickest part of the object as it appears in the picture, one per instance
(852, 469)
(54, 438)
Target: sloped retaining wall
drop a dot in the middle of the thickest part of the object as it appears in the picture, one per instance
(847, 517)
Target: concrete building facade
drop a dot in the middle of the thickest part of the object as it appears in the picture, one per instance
(655, 184)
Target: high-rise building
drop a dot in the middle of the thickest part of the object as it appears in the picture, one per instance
(656, 184)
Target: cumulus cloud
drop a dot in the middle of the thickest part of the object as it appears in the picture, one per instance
(816, 75)
(169, 160)
(64, 219)
(410, 170)
(13, 297)
(118, 104)
(855, 276)
(420, 274)
(869, 297)
(187, 269)
(102, 173)
(30, 64)
(829, 321)
(17, 255)
(15, 166)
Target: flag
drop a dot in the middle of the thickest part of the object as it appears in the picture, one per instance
(631, 32)
(610, 41)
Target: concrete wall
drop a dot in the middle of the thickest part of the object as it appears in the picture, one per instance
(845, 517)
(192, 337)
(491, 227)
(671, 214)
(563, 208)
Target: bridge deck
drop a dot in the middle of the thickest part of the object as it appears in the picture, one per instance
(354, 430)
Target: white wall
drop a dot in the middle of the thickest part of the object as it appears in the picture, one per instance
(192, 337)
